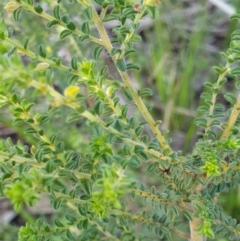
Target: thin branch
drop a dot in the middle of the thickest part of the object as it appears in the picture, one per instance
(34, 163)
(233, 118)
(142, 219)
(214, 97)
(157, 198)
(137, 99)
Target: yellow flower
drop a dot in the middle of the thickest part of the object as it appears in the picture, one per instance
(71, 91)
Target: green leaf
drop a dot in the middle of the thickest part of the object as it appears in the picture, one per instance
(215, 123)
(206, 96)
(110, 17)
(98, 107)
(115, 51)
(86, 185)
(87, 13)
(202, 109)
(50, 167)
(143, 155)
(235, 37)
(187, 214)
(44, 119)
(138, 149)
(74, 63)
(85, 197)
(56, 12)
(235, 71)
(97, 51)
(53, 138)
(3, 25)
(73, 80)
(151, 167)
(1, 190)
(11, 51)
(223, 80)
(235, 16)
(71, 26)
(100, 2)
(129, 51)
(73, 163)
(2, 35)
(145, 92)
(121, 65)
(201, 122)
(65, 19)
(230, 98)
(38, 9)
(16, 14)
(128, 12)
(25, 43)
(70, 235)
(136, 38)
(117, 124)
(152, 11)
(39, 155)
(82, 38)
(68, 155)
(65, 33)
(127, 94)
(58, 185)
(85, 224)
(124, 111)
(30, 130)
(64, 173)
(56, 203)
(132, 66)
(138, 130)
(72, 193)
(85, 28)
(10, 32)
(70, 218)
(51, 23)
(42, 51)
(134, 162)
(58, 223)
(30, 2)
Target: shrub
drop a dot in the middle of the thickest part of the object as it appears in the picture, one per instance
(94, 184)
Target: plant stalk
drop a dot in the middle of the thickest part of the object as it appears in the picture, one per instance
(137, 99)
(193, 230)
(233, 118)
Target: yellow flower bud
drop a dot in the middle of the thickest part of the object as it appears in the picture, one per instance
(20, 52)
(33, 149)
(42, 66)
(11, 6)
(151, 2)
(110, 91)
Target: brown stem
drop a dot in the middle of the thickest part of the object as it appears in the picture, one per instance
(193, 230)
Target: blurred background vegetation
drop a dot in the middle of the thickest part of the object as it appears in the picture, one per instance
(176, 56)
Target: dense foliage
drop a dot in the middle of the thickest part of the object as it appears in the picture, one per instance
(95, 184)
